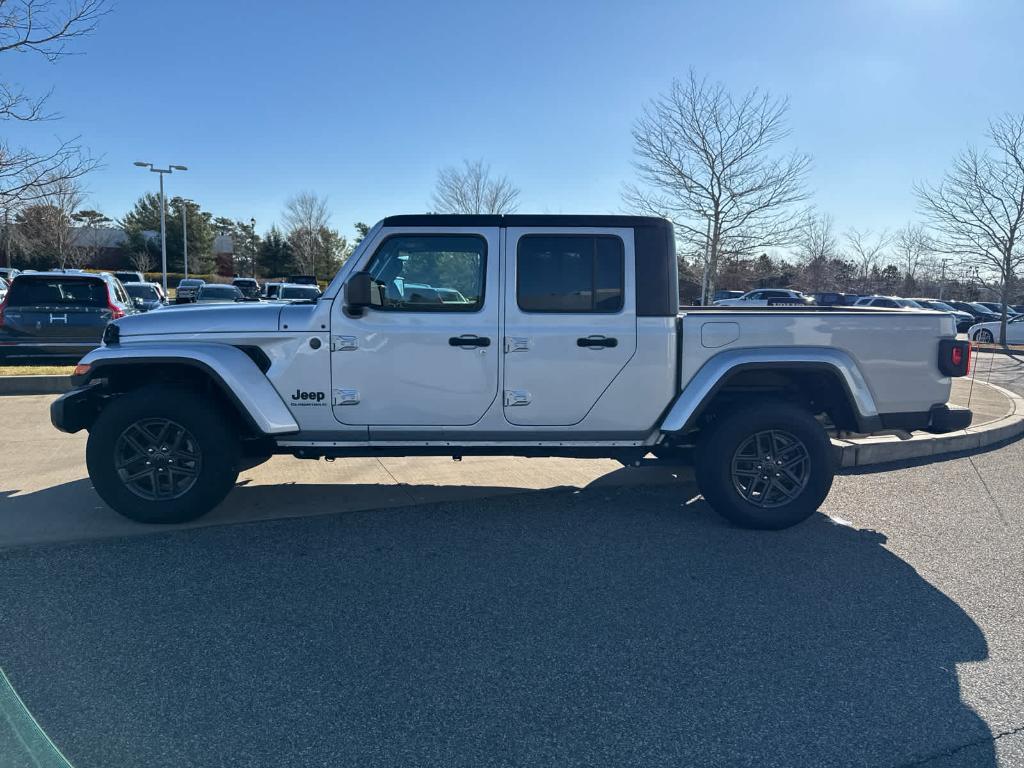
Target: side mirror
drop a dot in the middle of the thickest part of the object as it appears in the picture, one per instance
(359, 291)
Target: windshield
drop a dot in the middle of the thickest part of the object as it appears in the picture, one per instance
(298, 292)
(980, 308)
(219, 292)
(140, 291)
(909, 304)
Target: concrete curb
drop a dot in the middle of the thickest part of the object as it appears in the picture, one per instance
(34, 385)
(865, 451)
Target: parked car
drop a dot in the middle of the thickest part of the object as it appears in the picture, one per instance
(9, 273)
(964, 320)
(301, 279)
(835, 299)
(720, 295)
(188, 289)
(145, 296)
(568, 359)
(987, 333)
(997, 309)
(764, 297)
(977, 311)
(270, 290)
(130, 277)
(215, 293)
(59, 314)
(3, 288)
(291, 292)
(887, 302)
(249, 287)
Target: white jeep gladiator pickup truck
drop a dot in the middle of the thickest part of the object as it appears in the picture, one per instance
(509, 335)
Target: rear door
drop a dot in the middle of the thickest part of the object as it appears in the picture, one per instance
(570, 320)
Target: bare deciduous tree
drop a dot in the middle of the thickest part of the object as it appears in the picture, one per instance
(141, 260)
(977, 210)
(46, 228)
(817, 249)
(706, 161)
(44, 28)
(471, 189)
(912, 245)
(313, 242)
(867, 249)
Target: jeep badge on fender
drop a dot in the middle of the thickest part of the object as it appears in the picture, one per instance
(300, 395)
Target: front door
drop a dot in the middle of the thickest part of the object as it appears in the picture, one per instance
(570, 321)
(428, 354)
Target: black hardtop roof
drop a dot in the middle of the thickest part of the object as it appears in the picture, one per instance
(522, 220)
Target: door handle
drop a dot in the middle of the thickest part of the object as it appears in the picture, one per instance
(468, 340)
(596, 342)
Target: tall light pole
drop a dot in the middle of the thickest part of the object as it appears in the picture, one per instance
(163, 221)
(185, 203)
(252, 244)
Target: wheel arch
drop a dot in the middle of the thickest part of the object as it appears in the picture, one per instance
(824, 380)
(230, 374)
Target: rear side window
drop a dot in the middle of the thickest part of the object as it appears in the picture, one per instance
(57, 291)
(570, 273)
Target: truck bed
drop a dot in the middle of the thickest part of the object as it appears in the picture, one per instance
(891, 346)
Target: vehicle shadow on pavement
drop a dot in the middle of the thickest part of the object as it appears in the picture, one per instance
(604, 626)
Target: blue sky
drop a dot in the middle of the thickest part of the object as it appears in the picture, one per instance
(363, 101)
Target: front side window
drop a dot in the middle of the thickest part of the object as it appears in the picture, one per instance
(430, 273)
(570, 273)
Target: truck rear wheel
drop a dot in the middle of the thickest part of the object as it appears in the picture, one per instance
(766, 466)
(162, 454)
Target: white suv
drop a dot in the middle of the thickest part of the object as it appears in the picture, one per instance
(764, 297)
(887, 302)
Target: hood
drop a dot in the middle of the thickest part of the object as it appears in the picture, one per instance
(212, 318)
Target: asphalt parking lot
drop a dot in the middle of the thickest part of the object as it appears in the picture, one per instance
(536, 613)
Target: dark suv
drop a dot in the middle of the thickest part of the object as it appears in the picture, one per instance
(249, 287)
(59, 314)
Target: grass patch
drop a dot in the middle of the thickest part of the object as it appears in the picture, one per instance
(36, 370)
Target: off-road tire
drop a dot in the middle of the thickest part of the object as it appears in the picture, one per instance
(728, 456)
(210, 452)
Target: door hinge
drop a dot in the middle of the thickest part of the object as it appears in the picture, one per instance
(515, 397)
(517, 344)
(344, 343)
(345, 397)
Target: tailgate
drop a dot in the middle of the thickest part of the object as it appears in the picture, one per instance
(57, 323)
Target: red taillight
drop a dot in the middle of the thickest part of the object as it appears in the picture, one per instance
(957, 356)
(116, 313)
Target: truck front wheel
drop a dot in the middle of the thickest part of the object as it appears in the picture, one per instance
(162, 454)
(768, 466)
